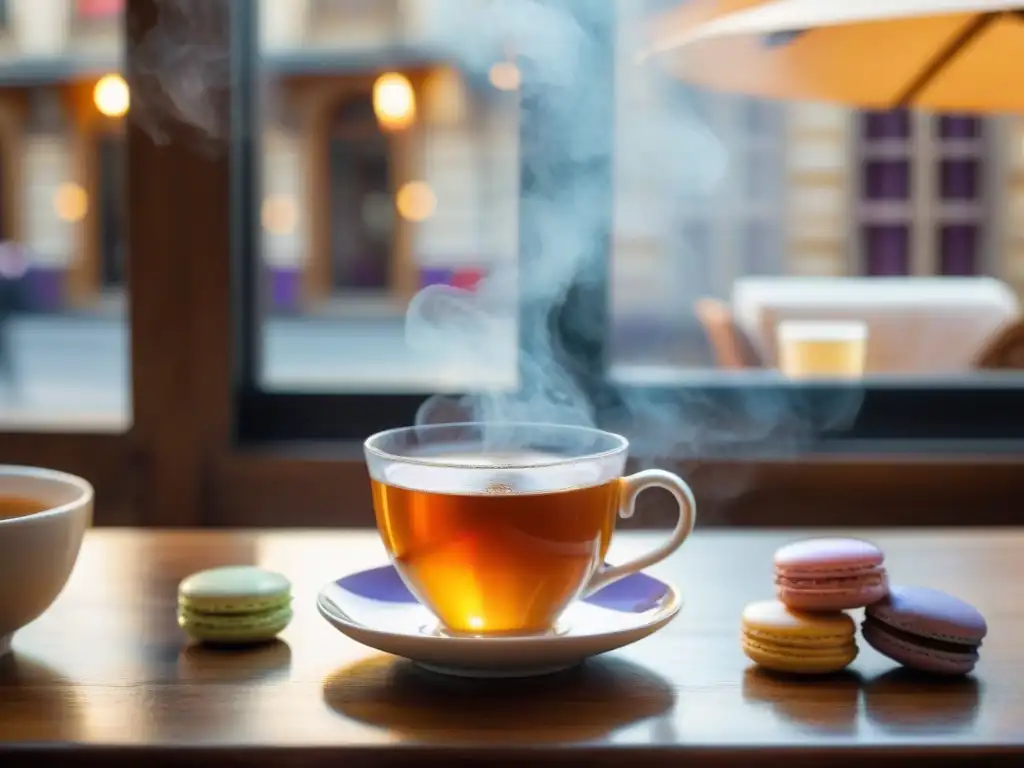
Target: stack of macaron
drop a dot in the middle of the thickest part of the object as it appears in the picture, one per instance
(806, 630)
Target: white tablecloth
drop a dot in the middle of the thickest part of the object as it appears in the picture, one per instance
(915, 324)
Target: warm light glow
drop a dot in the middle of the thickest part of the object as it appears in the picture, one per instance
(394, 101)
(444, 97)
(70, 202)
(476, 622)
(505, 76)
(415, 201)
(111, 96)
(279, 215)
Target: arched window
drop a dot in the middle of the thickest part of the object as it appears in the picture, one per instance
(361, 207)
(110, 208)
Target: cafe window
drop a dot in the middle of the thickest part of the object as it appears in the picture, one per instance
(923, 194)
(359, 367)
(207, 438)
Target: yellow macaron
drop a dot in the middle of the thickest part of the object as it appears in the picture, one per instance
(779, 638)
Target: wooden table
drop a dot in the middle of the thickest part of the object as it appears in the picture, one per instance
(105, 679)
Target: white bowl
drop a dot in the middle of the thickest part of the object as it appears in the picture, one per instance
(38, 551)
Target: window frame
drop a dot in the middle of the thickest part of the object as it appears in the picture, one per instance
(297, 454)
(207, 448)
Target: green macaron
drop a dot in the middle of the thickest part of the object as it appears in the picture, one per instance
(234, 605)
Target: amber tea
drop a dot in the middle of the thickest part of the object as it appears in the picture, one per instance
(498, 528)
(20, 506)
(496, 557)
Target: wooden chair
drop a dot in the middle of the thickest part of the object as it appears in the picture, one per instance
(730, 346)
(1004, 349)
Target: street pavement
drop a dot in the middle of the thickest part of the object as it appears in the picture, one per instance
(72, 373)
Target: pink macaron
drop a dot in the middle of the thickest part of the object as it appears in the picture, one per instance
(830, 574)
(926, 630)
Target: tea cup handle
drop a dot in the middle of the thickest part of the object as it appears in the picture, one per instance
(631, 488)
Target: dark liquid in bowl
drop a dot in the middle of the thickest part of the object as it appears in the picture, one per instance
(20, 506)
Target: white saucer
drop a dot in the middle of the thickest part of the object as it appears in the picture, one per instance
(375, 608)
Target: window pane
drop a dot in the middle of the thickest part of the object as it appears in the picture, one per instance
(958, 179)
(887, 249)
(388, 168)
(63, 335)
(360, 204)
(391, 191)
(887, 179)
(887, 125)
(959, 245)
(959, 127)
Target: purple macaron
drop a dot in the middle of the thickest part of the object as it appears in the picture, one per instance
(926, 630)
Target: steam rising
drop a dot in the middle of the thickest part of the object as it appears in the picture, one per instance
(182, 66)
(555, 47)
(564, 203)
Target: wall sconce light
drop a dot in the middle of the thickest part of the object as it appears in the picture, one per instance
(394, 101)
(111, 96)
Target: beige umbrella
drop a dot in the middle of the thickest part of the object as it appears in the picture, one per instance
(944, 55)
(690, 13)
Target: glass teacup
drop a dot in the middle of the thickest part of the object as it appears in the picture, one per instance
(497, 528)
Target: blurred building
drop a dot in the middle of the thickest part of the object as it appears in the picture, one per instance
(60, 167)
(386, 169)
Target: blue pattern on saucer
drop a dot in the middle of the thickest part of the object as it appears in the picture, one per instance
(636, 593)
